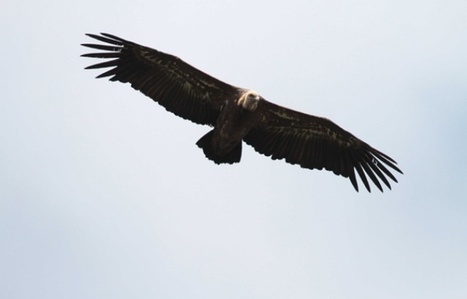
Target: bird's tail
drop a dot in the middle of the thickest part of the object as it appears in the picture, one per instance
(233, 156)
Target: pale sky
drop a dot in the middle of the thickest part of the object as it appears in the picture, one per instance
(104, 194)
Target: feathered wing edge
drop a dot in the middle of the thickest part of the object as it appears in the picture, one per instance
(174, 84)
(317, 143)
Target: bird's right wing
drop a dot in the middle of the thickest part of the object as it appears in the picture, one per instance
(174, 84)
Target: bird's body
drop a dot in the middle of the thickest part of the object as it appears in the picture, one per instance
(240, 115)
(236, 118)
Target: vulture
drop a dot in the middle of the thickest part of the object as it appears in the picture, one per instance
(239, 115)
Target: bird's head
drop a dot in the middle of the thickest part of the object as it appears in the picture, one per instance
(249, 100)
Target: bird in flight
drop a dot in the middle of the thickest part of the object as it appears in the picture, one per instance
(240, 115)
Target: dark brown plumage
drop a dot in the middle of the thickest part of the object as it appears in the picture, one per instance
(239, 115)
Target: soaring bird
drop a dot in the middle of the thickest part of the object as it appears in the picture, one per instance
(238, 114)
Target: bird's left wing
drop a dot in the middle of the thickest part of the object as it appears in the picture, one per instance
(316, 143)
(174, 84)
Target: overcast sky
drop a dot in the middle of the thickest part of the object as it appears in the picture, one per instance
(104, 194)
